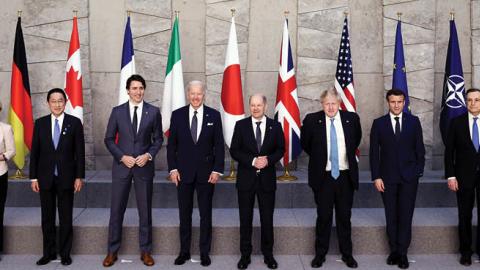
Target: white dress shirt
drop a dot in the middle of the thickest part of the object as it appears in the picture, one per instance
(60, 123)
(392, 118)
(342, 149)
(139, 112)
(191, 113)
(470, 123)
(263, 126)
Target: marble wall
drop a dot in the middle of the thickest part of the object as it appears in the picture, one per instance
(315, 29)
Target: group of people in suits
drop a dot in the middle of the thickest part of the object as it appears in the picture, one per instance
(195, 155)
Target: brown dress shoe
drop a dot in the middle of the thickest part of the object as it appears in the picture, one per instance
(110, 259)
(147, 259)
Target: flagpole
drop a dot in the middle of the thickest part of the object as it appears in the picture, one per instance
(399, 16)
(286, 173)
(75, 13)
(19, 172)
(232, 176)
(452, 15)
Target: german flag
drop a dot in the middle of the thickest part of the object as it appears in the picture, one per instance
(20, 115)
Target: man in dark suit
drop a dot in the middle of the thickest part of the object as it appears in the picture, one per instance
(137, 126)
(462, 169)
(331, 137)
(57, 166)
(257, 144)
(195, 154)
(397, 158)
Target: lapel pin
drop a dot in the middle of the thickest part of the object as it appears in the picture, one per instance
(206, 115)
(319, 121)
(64, 133)
(270, 127)
(348, 121)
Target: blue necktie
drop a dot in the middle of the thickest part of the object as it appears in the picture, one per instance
(475, 134)
(56, 139)
(334, 151)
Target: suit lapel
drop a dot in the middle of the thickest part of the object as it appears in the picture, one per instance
(268, 132)
(346, 123)
(323, 132)
(49, 130)
(65, 124)
(206, 118)
(143, 118)
(251, 135)
(126, 107)
(467, 133)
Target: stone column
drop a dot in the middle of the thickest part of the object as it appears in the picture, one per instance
(475, 10)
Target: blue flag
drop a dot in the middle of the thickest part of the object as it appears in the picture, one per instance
(399, 71)
(453, 98)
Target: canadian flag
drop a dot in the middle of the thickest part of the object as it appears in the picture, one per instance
(73, 76)
(231, 96)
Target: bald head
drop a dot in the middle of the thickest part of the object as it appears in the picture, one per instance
(258, 105)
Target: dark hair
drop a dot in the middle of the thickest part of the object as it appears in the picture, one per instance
(472, 90)
(395, 92)
(56, 90)
(138, 78)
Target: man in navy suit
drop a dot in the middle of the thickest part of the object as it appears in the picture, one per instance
(133, 137)
(257, 144)
(331, 137)
(397, 158)
(462, 169)
(195, 154)
(57, 166)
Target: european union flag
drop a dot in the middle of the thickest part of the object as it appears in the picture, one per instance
(453, 100)
(399, 70)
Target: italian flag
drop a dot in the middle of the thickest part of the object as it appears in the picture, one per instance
(173, 93)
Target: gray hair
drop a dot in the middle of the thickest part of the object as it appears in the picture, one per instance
(196, 83)
(264, 98)
(330, 92)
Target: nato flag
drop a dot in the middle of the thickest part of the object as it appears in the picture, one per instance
(399, 70)
(453, 100)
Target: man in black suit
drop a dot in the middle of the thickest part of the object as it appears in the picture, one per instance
(57, 166)
(133, 137)
(195, 154)
(462, 169)
(257, 144)
(397, 158)
(331, 137)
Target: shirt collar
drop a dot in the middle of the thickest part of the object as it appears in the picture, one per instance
(131, 105)
(336, 117)
(471, 116)
(392, 116)
(199, 110)
(264, 120)
(60, 118)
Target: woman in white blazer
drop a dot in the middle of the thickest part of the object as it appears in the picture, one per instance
(7, 151)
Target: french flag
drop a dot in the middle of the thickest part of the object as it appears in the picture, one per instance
(128, 63)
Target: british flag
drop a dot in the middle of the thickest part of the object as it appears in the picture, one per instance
(344, 74)
(287, 111)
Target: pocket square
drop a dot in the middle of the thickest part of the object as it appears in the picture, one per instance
(209, 124)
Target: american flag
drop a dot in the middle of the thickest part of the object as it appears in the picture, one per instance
(287, 111)
(344, 74)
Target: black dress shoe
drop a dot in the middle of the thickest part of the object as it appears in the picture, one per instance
(318, 261)
(350, 261)
(66, 260)
(466, 260)
(182, 258)
(205, 260)
(393, 258)
(403, 262)
(46, 259)
(270, 262)
(244, 262)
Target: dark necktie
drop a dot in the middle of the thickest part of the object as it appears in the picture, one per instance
(397, 127)
(193, 127)
(135, 120)
(258, 136)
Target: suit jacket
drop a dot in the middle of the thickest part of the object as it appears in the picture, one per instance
(396, 161)
(461, 159)
(244, 149)
(314, 143)
(69, 157)
(196, 159)
(7, 146)
(148, 139)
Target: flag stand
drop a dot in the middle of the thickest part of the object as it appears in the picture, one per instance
(286, 176)
(232, 176)
(18, 175)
